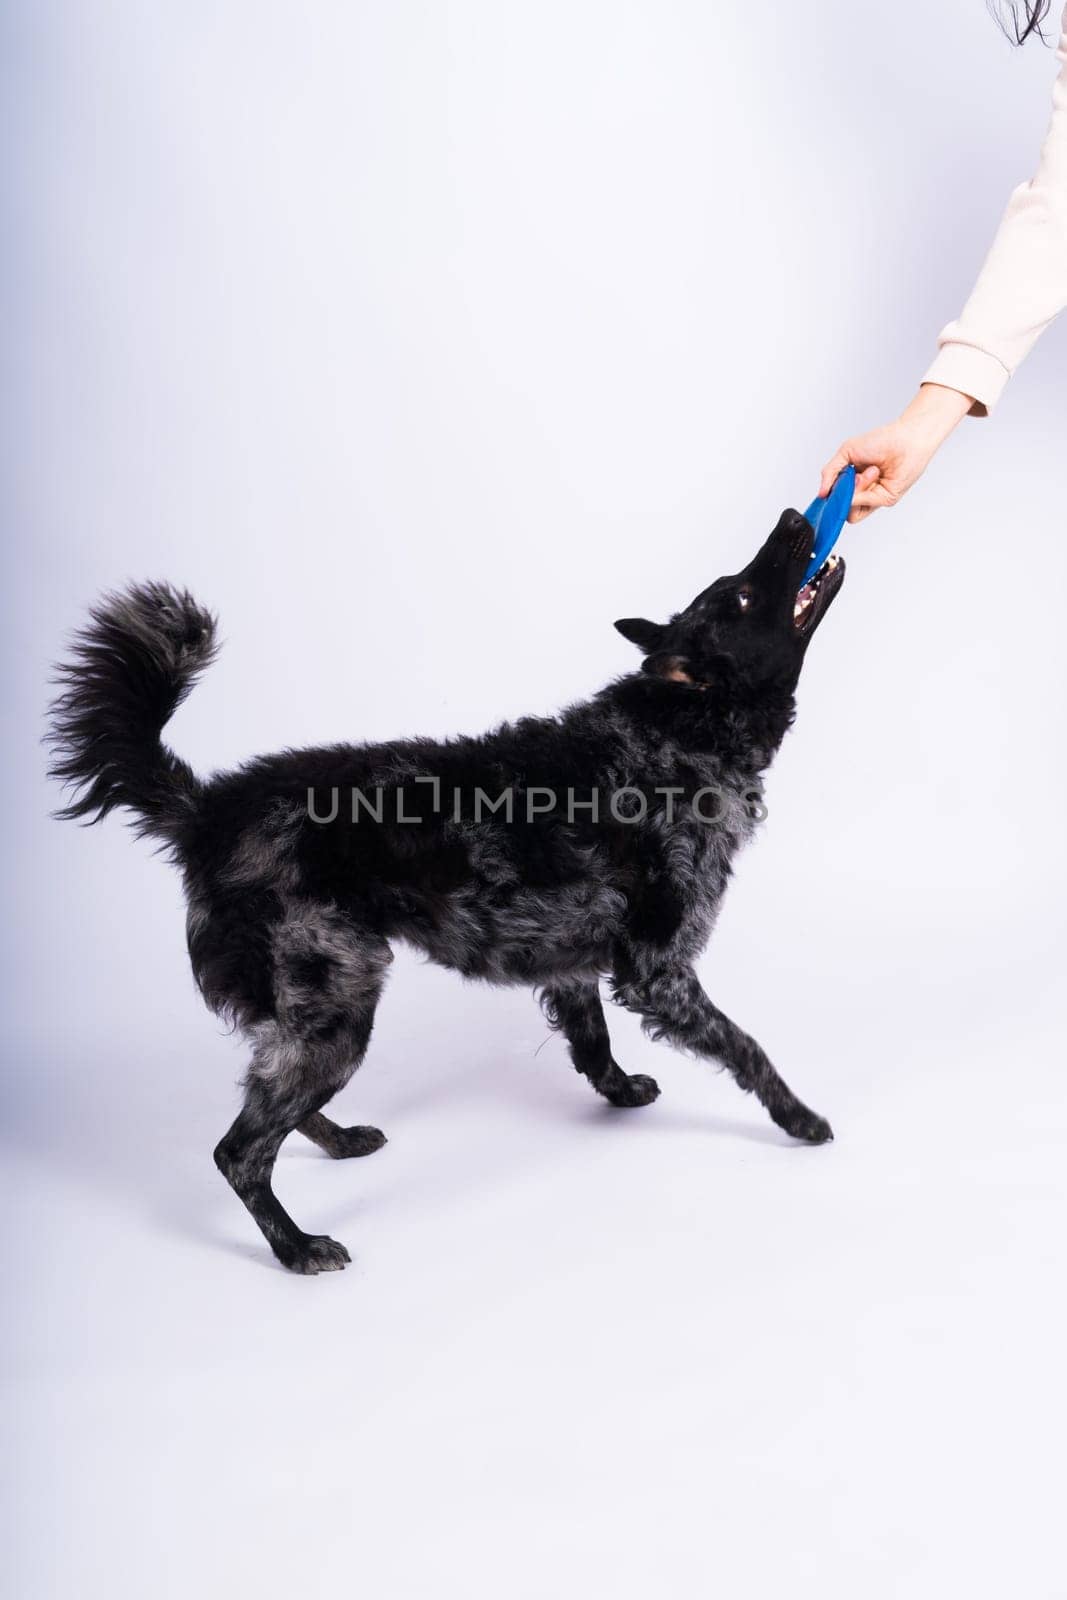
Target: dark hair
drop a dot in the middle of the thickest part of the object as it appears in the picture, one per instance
(1023, 18)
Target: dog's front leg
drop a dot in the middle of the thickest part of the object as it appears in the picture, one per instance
(672, 1005)
(576, 1010)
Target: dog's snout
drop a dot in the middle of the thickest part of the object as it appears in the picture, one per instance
(795, 529)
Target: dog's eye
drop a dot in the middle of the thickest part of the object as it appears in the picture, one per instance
(744, 599)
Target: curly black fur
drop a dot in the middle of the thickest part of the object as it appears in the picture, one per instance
(292, 904)
(131, 669)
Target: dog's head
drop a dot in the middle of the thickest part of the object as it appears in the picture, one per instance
(755, 626)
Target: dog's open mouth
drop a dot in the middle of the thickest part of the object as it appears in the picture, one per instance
(815, 595)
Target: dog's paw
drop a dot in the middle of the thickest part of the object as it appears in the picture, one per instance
(809, 1127)
(632, 1090)
(356, 1142)
(315, 1252)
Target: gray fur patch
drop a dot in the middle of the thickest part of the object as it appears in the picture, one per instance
(328, 975)
(265, 850)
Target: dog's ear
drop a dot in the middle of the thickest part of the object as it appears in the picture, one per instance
(719, 670)
(647, 636)
(666, 664)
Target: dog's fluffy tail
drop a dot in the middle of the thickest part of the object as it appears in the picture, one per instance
(130, 669)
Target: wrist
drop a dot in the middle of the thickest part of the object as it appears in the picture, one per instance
(936, 410)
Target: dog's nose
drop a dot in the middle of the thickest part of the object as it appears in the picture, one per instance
(796, 528)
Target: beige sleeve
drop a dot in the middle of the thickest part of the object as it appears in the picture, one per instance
(1023, 283)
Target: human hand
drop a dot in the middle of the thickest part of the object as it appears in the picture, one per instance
(890, 459)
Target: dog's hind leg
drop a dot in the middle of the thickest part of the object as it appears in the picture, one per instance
(327, 976)
(288, 1082)
(340, 1142)
(673, 1006)
(576, 1010)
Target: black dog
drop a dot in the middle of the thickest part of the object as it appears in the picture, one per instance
(552, 852)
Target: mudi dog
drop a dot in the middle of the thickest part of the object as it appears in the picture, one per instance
(555, 851)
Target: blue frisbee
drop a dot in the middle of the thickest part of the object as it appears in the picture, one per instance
(828, 517)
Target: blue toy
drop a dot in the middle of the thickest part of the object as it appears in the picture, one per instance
(828, 517)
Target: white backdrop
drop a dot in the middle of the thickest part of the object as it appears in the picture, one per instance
(421, 341)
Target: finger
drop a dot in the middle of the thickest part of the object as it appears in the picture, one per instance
(849, 453)
(875, 498)
(833, 468)
(861, 513)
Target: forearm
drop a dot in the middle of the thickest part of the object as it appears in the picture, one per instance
(935, 411)
(1023, 284)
